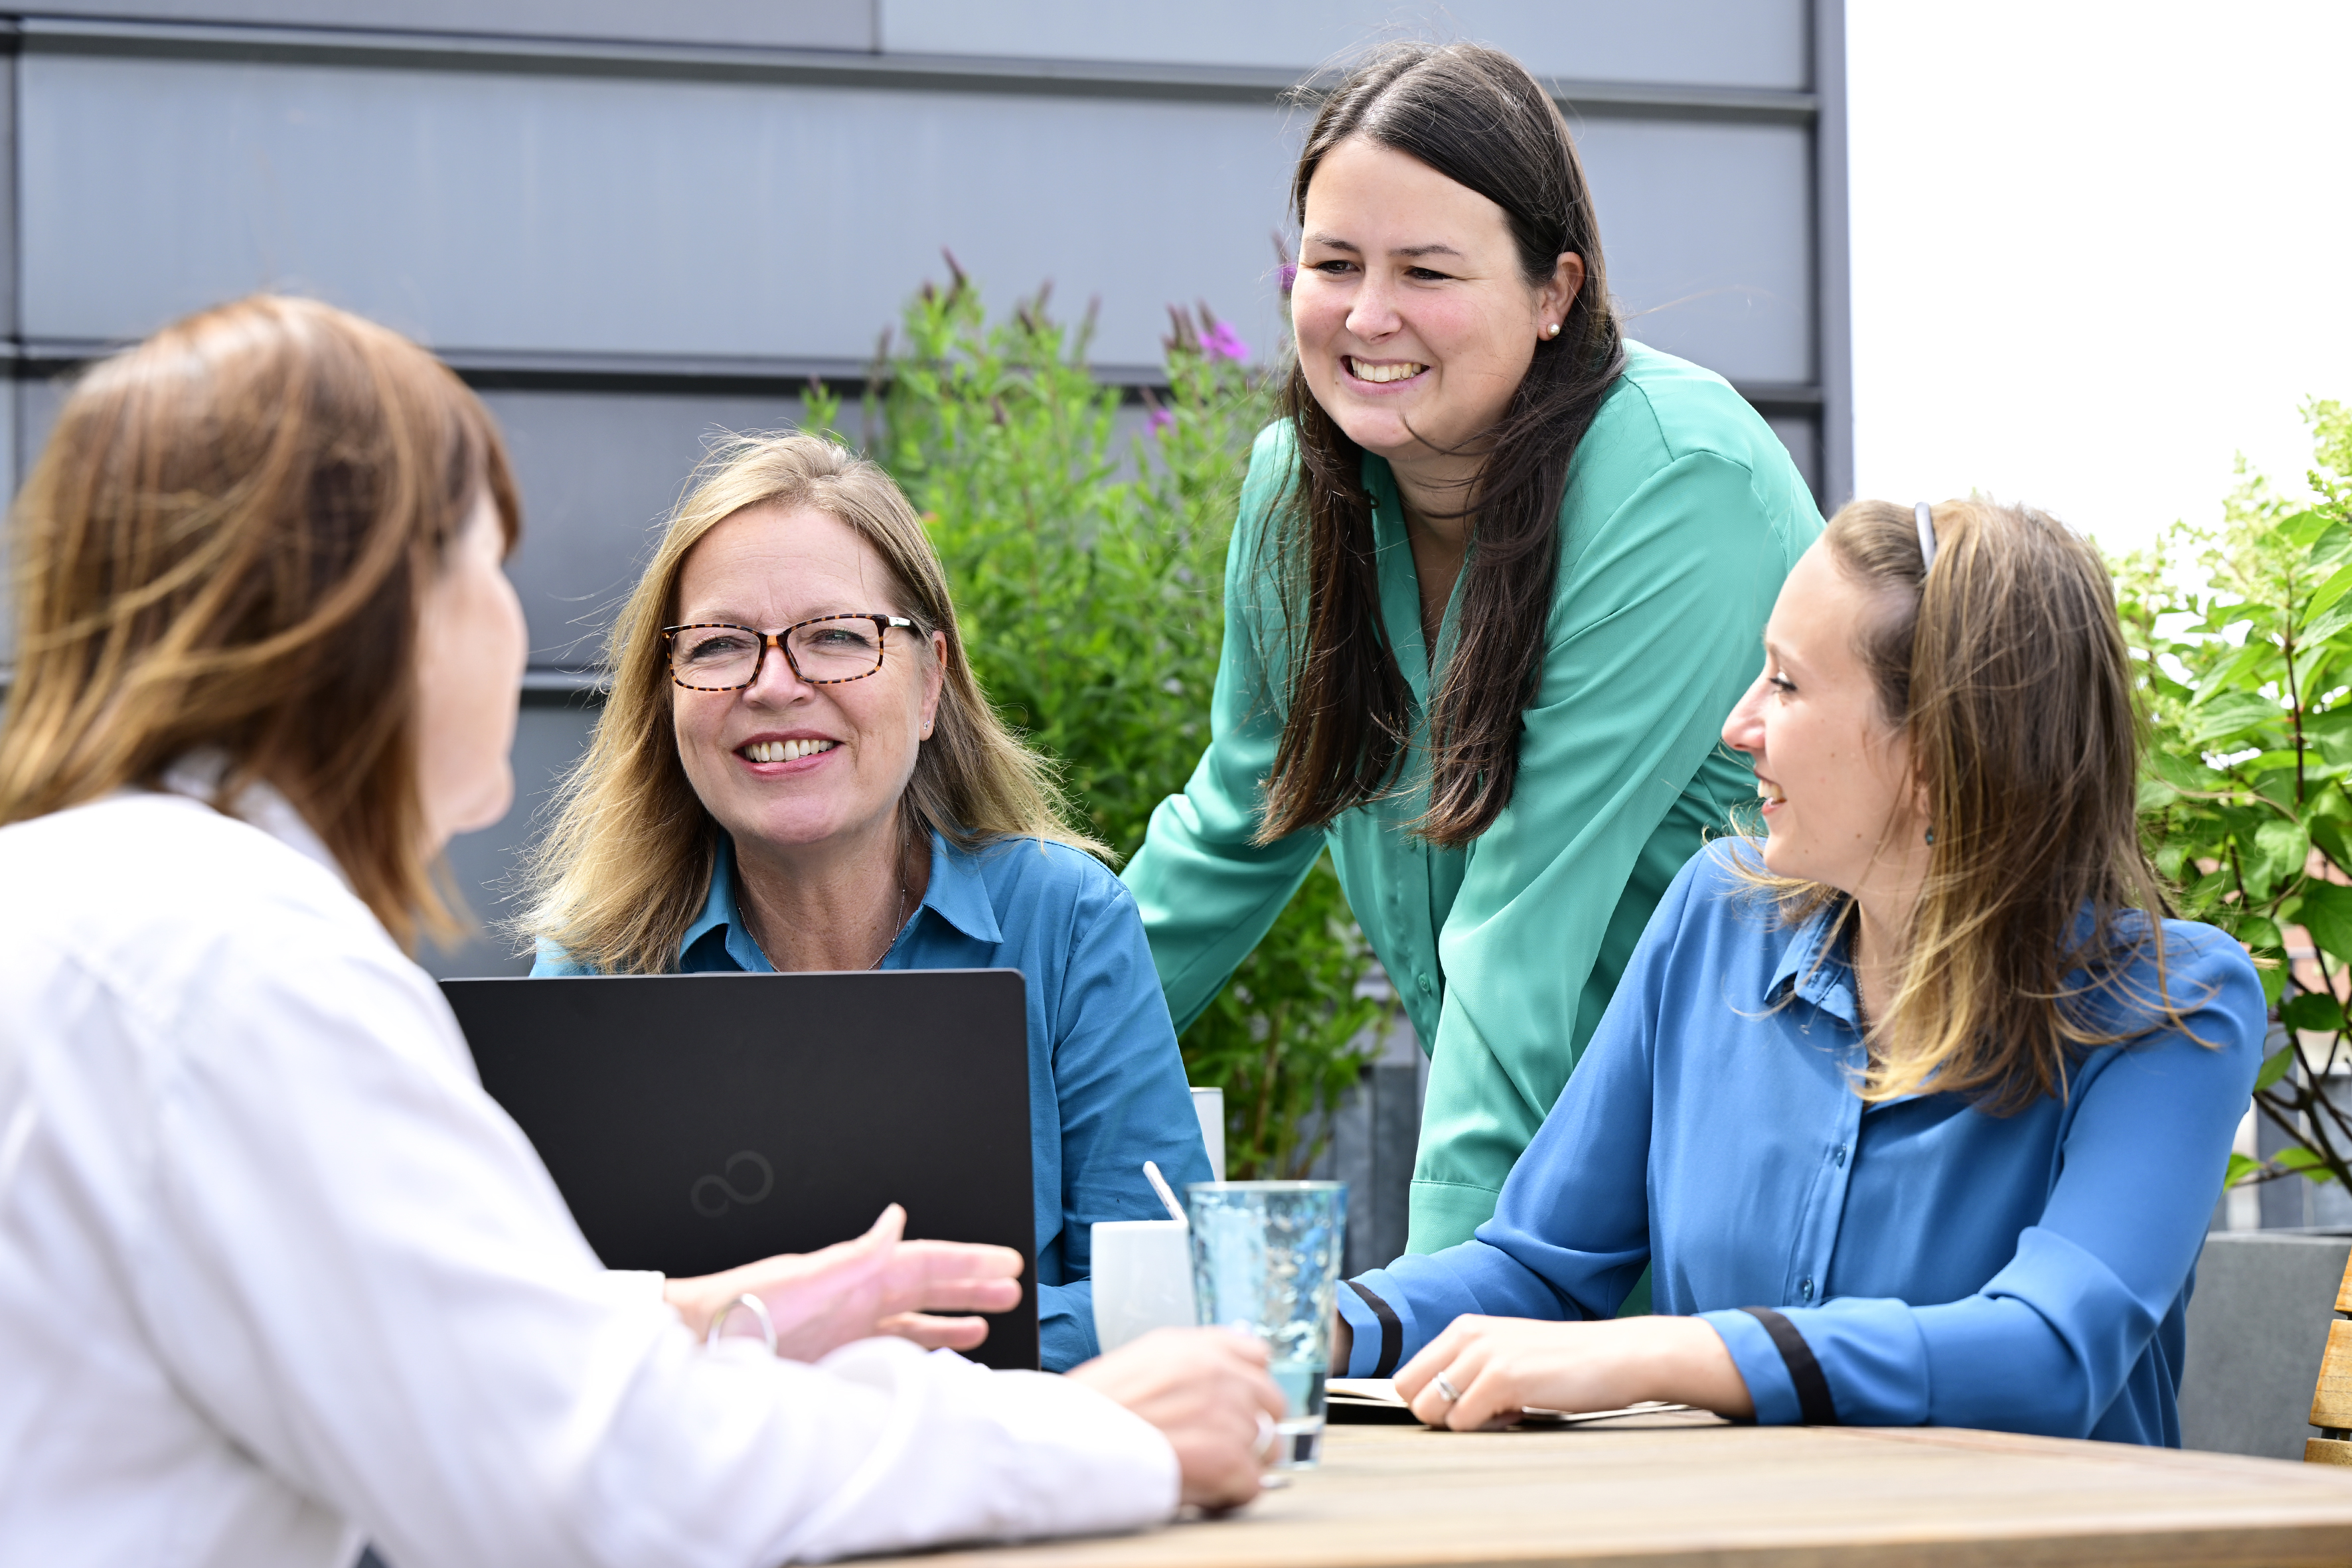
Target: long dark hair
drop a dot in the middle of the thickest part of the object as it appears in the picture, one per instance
(1475, 116)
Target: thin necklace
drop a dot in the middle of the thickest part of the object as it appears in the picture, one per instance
(898, 926)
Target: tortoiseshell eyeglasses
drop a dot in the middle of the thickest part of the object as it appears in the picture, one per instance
(709, 655)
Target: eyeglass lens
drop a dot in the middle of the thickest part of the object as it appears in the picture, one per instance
(842, 647)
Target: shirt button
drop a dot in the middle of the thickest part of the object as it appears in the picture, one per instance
(1426, 988)
(1805, 1287)
(1840, 1154)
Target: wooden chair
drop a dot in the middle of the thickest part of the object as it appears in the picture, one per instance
(2331, 1401)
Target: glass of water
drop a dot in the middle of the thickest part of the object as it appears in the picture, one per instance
(1265, 1259)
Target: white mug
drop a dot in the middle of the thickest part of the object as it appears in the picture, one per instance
(1209, 1105)
(1143, 1278)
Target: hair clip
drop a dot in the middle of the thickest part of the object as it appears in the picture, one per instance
(1925, 516)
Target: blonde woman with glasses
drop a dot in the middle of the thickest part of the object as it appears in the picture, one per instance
(797, 770)
(1917, 1109)
(276, 1275)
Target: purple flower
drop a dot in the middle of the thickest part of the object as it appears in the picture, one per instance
(1159, 419)
(1221, 342)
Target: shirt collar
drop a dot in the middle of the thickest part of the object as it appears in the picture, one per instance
(722, 912)
(1814, 964)
(198, 776)
(958, 894)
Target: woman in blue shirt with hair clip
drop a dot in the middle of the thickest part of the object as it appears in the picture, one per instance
(1917, 1109)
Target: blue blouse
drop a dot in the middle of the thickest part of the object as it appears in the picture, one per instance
(1107, 1088)
(1914, 1262)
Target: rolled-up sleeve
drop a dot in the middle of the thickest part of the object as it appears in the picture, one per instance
(2049, 1340)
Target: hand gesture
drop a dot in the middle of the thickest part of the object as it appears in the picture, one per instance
(877, 1284)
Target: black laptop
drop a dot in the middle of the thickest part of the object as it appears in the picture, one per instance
(696, 1121)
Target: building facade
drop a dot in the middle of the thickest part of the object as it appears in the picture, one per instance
(632, 223)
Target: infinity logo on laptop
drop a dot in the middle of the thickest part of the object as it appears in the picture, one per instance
(713, 1195)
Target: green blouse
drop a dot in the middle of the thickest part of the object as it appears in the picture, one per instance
(1682, 515)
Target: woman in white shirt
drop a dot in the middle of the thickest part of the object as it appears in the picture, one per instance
(276, 1276)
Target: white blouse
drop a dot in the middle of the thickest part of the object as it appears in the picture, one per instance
(278, 1278)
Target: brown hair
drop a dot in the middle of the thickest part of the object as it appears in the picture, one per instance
(626, 864)
(1474, 115)
(223, 546)
(2005, 670)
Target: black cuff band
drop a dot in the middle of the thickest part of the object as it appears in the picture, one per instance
(1391, 1331)
(1814, 1406)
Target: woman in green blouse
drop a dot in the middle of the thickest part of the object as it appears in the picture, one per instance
(1499, 575)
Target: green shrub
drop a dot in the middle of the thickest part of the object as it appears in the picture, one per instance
(2242, 633)
(1089, 573)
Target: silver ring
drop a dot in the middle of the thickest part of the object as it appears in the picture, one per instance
(758, 1309)
(1266, 1435)
(1452, 1395)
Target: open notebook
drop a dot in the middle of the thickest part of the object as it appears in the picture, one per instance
(1374, 1401)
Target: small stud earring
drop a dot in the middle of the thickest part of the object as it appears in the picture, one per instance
(1931, 835)
(1551, 330)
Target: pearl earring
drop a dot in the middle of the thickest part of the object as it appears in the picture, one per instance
(1552, 329)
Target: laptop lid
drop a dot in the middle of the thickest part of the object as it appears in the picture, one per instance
(696, 1121)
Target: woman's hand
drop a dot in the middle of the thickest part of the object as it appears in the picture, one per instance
(1500, 1366)
(877, 1284)
(1207, 1391)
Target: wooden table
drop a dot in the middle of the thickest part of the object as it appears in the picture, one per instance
(1660, 1490)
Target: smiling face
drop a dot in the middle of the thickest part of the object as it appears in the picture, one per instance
(1411, 308)
(1840, 801)
(786, 766)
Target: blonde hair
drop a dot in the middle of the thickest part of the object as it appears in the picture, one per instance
(626, 864)
(2006, 671)
(223, 547)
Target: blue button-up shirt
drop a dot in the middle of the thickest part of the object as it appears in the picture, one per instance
(1107, 1088)
(1921, 1261)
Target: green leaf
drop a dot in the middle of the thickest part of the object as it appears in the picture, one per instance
(2283, 848)
(2325, 624)
(2258, 931)
(2230, 714)
(2327, 913)
(2327, 594)
(2243, 669)
(2314, 1011)
(2241, 1167)
(2308, 1160)
(2305, 527)
(2182, 771)
(2328, 833)
(2275, 1068)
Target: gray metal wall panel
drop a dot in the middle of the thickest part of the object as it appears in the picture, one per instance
(554, 215)
(773, 24)
(1717, 43)
(1800, 433)
(599, 471)
(1832, 212)
(1707, 230)
(651, 217)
